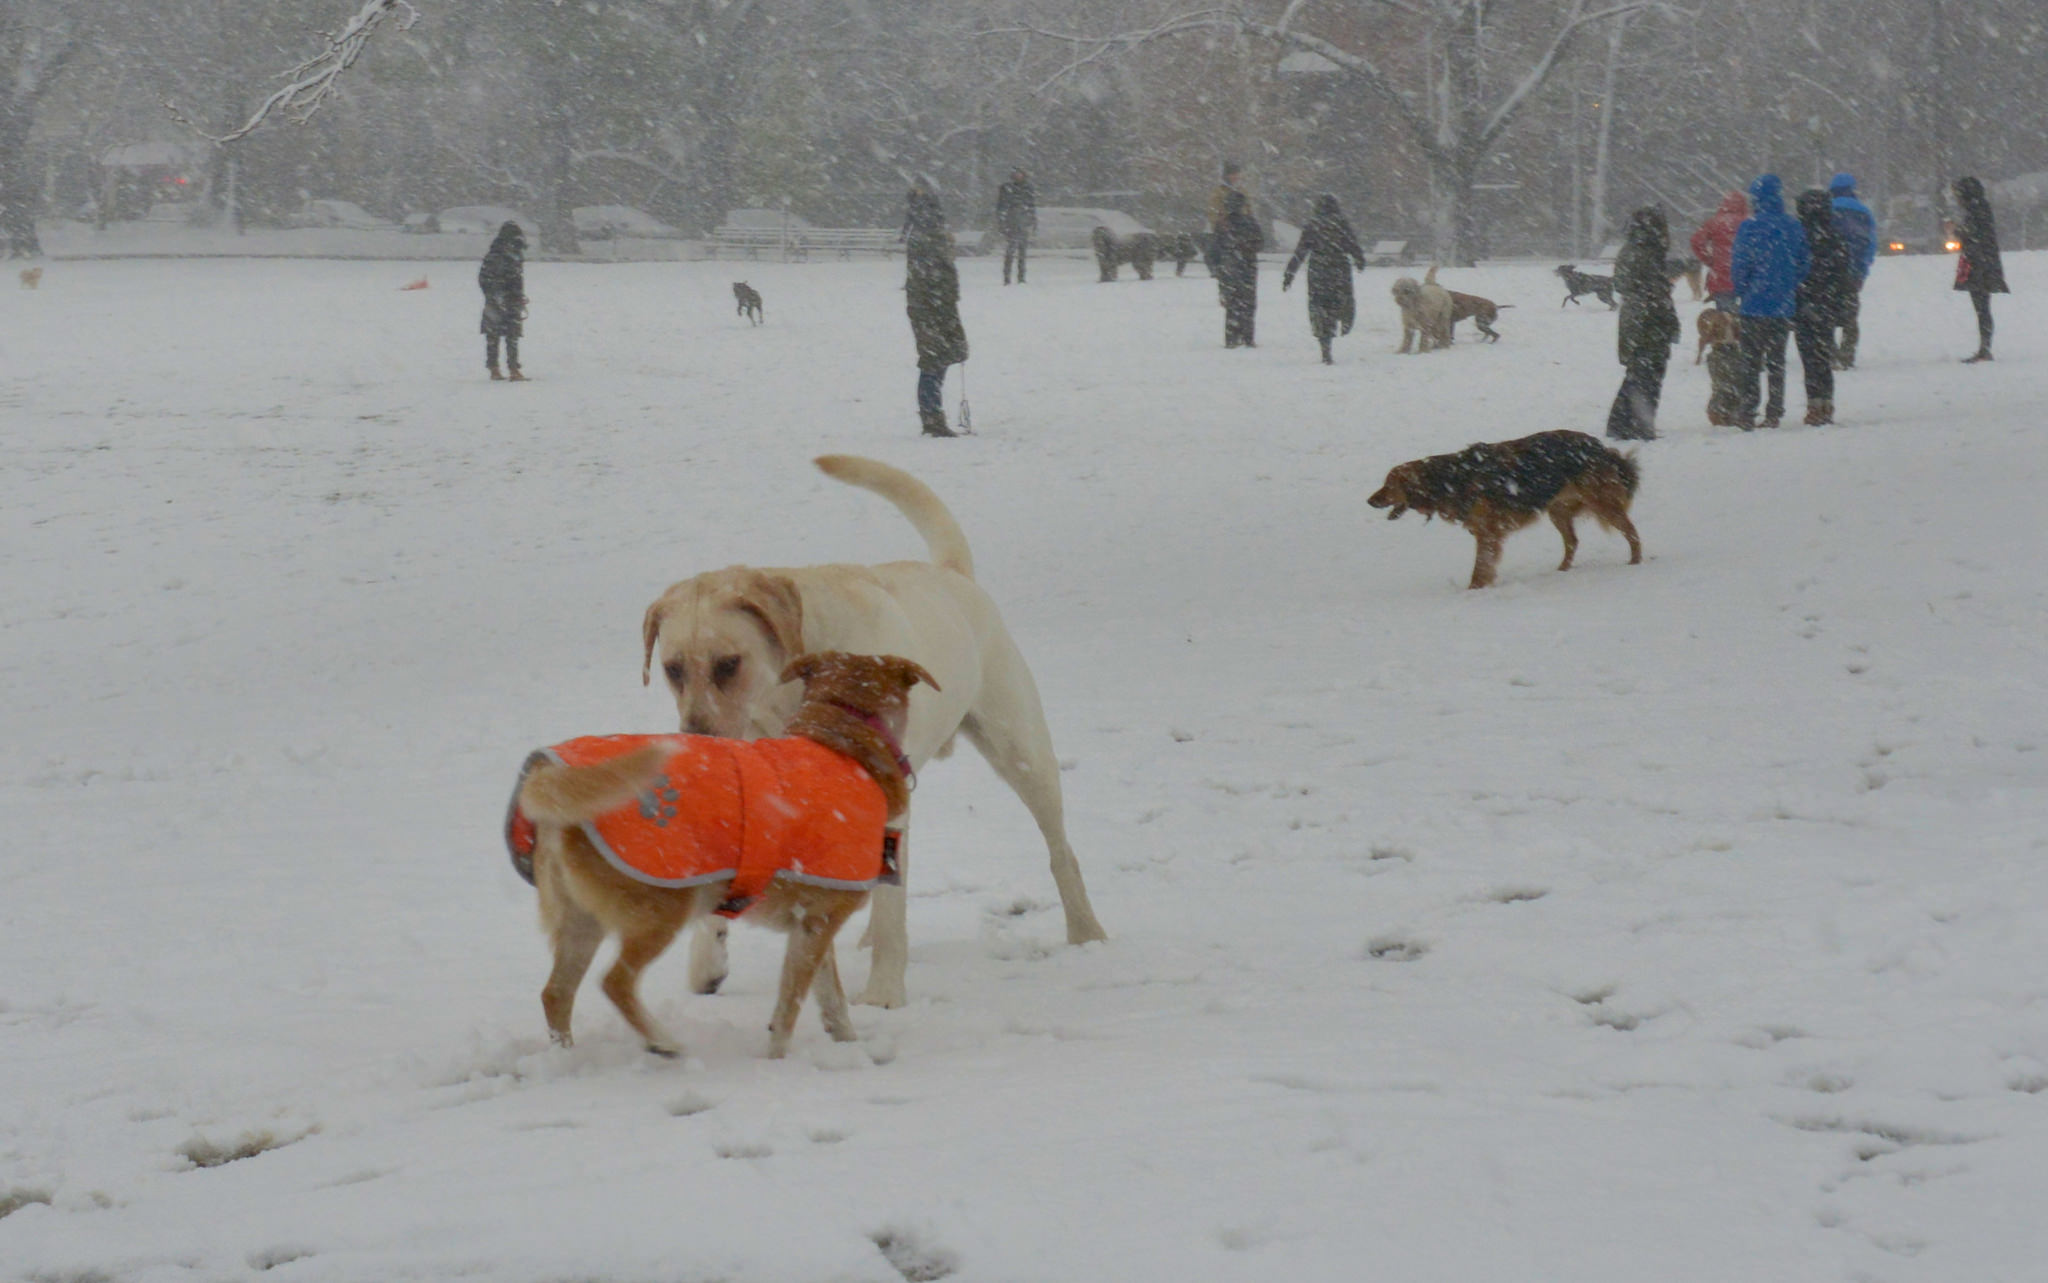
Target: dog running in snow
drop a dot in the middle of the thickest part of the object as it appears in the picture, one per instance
(1496, 489)
(31, 278)
(749, 300)
(637, 835)
(1577, 282)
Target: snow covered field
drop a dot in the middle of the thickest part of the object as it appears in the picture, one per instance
(1678, 922)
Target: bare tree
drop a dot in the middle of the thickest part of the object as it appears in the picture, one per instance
(1427, 60)
(37, 42)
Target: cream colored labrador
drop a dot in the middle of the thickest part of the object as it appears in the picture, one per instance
(723, 638)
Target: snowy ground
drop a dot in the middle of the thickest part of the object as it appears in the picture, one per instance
(1677, 922)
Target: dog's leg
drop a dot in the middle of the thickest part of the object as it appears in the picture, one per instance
(1562, 516)
(622, 983)
(831, 997)
(707, 955)
(1007, 726)
(1486, 561)
(577, 935)
(809, 938)
(888, 934)
(1618, 518)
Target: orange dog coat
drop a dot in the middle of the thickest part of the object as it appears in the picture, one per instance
(748, 810)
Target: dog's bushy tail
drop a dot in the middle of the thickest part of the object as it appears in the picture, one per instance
(572, 794)
(913, 498)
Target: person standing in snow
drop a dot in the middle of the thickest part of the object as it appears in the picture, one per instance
(1768, 261)
(1714, 242)
(503, 280)
(1648, 325)
(1980, 272)
(931, 289)
(1332, 252)
(1234, 259)
(1016, 218)
(1820, 302)
(1857, 227)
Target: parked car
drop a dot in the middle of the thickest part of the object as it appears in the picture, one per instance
(601, 221)
(1945, 244)
(423, 223)
(337, 213)
(485, 220)
(1072, 226)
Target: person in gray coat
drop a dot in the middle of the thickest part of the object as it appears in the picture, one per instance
(1332, 252)
(931, 291)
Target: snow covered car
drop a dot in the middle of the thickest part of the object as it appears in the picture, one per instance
(600, 222)
(337, 213)
(485, 220)
(1073, 226)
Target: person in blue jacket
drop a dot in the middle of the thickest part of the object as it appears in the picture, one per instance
(1769, 261)
(1857, 227)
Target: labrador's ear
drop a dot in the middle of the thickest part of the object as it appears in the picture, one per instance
(650, 630)
(910, 672)
(775, 602)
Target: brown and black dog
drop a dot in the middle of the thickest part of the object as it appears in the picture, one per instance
(1483, 311)
(749, 300)
(853, 705)
(1496, 489)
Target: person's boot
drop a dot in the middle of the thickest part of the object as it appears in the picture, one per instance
(934, 422)
(1820, 413)
(1983, 354)
(497, 376)
(515, 376)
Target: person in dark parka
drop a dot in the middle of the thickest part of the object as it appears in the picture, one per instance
(1980, 272)
(1234, 260)
(1648, 325)
(1822, 301)
(1331, 248)
(931, 290)
(1016, 218)
(503, 280)
(1858, 229)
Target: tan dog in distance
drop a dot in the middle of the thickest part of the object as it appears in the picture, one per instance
(31, 277)
(1717, 327)
(855, 705)
(1496, 489)
(1426, 310)
(722, 638)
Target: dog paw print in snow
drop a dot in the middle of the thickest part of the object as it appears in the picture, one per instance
(913, 1258)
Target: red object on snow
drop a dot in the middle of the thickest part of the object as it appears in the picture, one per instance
(419, 284)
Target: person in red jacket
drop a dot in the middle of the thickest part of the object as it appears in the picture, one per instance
(1714, 243)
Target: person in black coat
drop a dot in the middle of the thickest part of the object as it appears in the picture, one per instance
(503, 280)
(1648, 325)
(1980, 272)
(1332, 252)
(1234, 261)
(1822, 302)
(1016, 218)
(931, 290)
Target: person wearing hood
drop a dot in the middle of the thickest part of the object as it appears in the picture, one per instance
(1820, 302)
(1713, 242)
(1332, 252)
(1980, 272)
(1648, 325)
(931, 290)
(503, 281)
(1768, 261)
(1857, 227)
(1234, 259)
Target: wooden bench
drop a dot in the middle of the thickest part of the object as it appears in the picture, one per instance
(1388, 254)
(749, 241)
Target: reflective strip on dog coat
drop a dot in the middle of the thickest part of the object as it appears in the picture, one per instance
(748, 810)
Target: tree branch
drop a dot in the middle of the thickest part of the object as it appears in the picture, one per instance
(312, 81)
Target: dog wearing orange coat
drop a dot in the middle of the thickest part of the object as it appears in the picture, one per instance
(637, 836)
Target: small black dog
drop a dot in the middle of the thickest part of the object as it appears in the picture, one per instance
(1577, 282)
(749, 300)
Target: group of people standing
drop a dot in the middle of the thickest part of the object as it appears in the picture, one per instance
(1796, 275)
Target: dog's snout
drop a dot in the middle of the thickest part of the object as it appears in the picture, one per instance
(696, 725)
